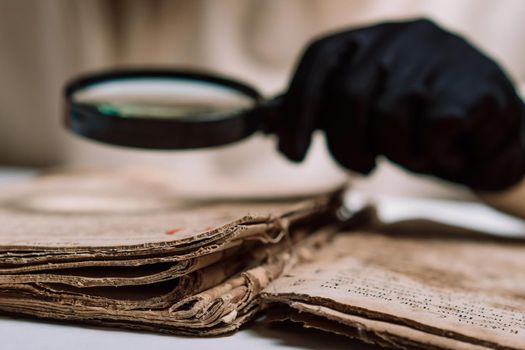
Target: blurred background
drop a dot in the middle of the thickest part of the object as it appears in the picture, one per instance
(43, 43)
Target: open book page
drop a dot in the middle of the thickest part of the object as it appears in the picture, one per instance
(466, 288)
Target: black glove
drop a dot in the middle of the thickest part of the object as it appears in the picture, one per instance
(410, 91)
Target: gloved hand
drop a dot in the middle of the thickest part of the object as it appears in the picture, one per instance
(412, 92)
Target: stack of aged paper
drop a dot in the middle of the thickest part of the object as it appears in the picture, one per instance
(125, 249)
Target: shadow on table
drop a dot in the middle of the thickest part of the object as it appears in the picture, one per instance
(294, 335)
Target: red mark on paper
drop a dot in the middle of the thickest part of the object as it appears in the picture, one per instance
(174, 231)
(208, 228)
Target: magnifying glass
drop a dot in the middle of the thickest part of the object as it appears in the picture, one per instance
(166, 109)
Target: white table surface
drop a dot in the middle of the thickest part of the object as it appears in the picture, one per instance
(29, 334)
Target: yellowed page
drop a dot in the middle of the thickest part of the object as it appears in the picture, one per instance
(467, 288)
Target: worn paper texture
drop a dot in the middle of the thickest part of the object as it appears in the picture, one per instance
(386, 334)
(135, 212)
(125, 249)
(219, 299)
(466, 288)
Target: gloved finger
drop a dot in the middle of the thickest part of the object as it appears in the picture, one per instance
(304, 98)
(399, 113)
(399, 105)
(349, 123)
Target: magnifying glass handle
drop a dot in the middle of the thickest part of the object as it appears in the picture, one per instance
(270, 114)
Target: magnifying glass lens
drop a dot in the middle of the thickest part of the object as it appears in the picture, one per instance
(162, 98)
(161, 109)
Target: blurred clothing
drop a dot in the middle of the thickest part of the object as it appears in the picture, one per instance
(43, 43)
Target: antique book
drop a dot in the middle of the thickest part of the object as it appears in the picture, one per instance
(126, 249)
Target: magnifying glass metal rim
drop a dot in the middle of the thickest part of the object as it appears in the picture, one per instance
(160, 133)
